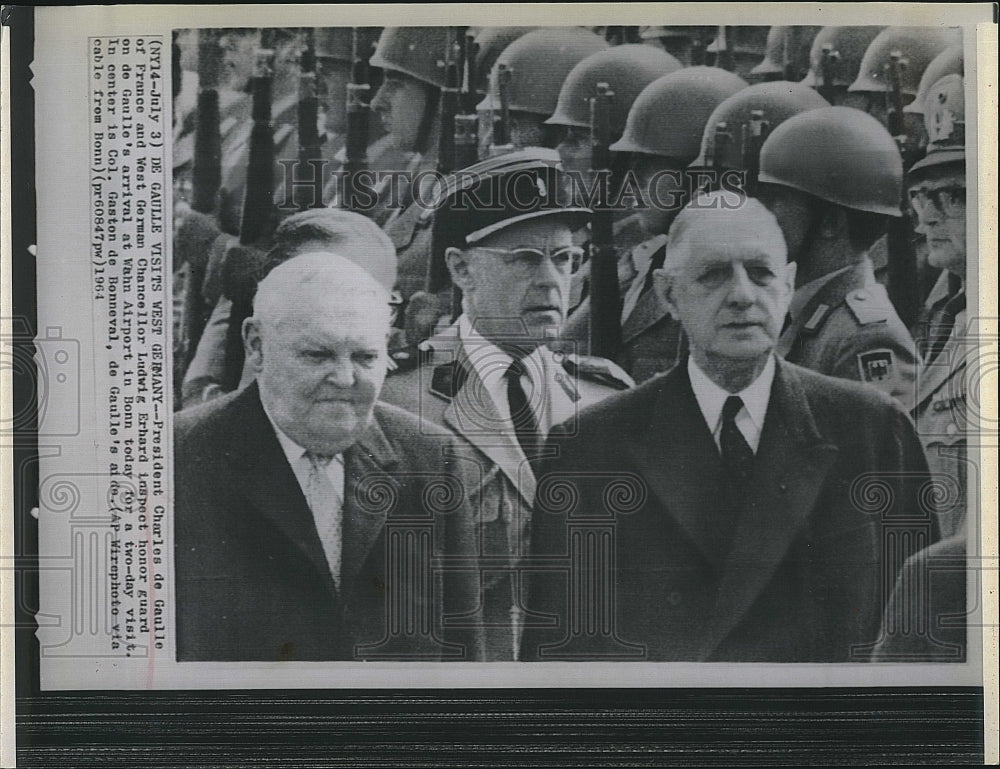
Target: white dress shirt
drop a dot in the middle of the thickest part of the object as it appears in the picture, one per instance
(491, 364)
(711, 398)
(301, 465)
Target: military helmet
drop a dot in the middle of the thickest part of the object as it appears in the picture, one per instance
(490, 43)
(787, 47)
(917, 45)
(538, 63)
(948, 62)
(659, 32)
(668, 117)
(847, 45)
(838, 154)
(627, 69)
(944, 117)
(334, 43)
(415, 51)
(775, 102)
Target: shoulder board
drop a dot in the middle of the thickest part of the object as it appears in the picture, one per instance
(869, 305)
(599, 370)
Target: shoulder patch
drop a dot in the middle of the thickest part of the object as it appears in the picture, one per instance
(869, 305)
(876, 365)
(599, 370)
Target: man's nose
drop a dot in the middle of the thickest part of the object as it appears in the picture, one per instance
(341, 373)
(740, 286)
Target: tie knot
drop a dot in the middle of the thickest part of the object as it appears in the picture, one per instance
(319, 461)
(731, 408)
(516, 369)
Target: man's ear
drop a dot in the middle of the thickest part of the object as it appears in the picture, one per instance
(663, 284)
(458, 266)
(253, 346)
(789, 277)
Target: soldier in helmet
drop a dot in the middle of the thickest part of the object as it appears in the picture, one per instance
(936, 187)
(738, 49)
(660, 152)
(949, 62)
(832, 178)
(491, 376)
(525, 82)
(490, 42)
(787, 54)
(627, 70)
(889, 77)
(835, 60)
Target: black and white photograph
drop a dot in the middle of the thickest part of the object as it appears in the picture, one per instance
(430, 347)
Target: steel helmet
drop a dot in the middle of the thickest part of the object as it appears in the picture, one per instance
(415, 51)
(776, 102)
(847, 45)
(918, 45)
(668, 117)
(838, 154)
(490, 43)
(786, 47)
(944, 117)
(539, 63)
(627, 69)
(948, 62)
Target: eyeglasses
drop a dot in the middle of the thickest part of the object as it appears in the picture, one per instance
(526, 261)
(946, 199)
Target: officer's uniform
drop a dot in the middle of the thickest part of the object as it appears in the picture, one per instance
(844, 325)
(459, 381)
(941, 404)
(447, 390)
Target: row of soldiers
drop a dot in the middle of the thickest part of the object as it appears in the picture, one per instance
(853, 137)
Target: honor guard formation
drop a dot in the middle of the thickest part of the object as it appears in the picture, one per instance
(568, 343)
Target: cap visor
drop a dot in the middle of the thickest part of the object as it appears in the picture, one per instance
(938, 158)
(577, 213)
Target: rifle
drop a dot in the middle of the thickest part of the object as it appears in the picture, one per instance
(259, 212)
(828, 66)
(501, 123)
(466, 135)
(310, 139)
(723, 54)
(207, 165)
(754, 134)
(903, 288)
(449, 107)
(605, 328)
(358, 114)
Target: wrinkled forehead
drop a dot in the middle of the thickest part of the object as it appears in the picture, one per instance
(546, 231)
(733, 235)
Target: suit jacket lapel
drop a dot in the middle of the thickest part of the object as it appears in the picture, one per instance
(792, 462)
(268, 483)
(678, 458)
(367, 468)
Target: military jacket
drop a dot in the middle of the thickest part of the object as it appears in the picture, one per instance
(849, 329)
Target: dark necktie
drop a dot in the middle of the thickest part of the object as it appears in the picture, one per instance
(943, 324)
(737, 456)
(521, 413)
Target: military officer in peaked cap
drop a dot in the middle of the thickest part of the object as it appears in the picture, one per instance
(506, 243)
(936, 187)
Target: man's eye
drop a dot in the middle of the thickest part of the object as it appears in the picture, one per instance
(713, 277)
(365, 358)
(760, 275)
(314, 355)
